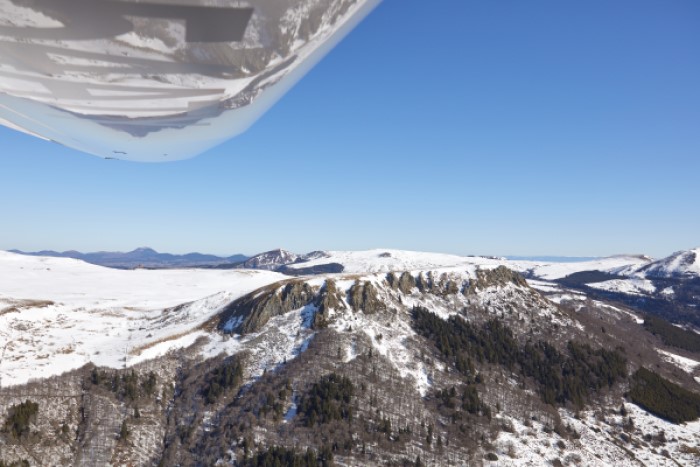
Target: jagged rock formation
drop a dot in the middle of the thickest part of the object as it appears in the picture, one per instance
(495, 277)
(439, 285)
(252, 312)
(363, 297)
(405, 283)
(330, 299)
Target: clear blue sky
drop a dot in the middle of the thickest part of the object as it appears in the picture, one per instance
(465, 126)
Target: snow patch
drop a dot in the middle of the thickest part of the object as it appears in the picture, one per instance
(684, 363)
(631, 286)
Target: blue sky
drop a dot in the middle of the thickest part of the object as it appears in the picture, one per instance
(473, 127)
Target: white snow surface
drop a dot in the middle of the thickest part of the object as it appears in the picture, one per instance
(571, 296)
(684, 263)
(551, 270)
(57, 314)
(78, 283)
(544, 286)
(601, 442)
(633, 286)
(384, 260)
(282, 339)
(684, 363)
(387, 260)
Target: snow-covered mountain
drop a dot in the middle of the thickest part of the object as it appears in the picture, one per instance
(232, 356)
(679, 265)
(558, 270)
(269, 260)
(669, 286)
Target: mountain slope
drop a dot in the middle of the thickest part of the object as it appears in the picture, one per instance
(56, 314)
(681, 264)
(558, 270)
(269, 260)
(427, 363)
(669, 287)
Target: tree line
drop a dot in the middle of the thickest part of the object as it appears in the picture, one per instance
(328, 399)
(126, 385)
(663, 398)
(561, 377)
(19, 417)
(228, 375)
(276, 456)
(672, 335)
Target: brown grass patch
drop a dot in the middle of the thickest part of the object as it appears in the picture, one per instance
(19, 305)
(138, 350)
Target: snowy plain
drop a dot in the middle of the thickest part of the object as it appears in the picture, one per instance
(57, 314)
(385, 260)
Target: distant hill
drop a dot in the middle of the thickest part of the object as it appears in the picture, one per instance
(287, 262)
(685, 263)
(143, 257)
(271, 260)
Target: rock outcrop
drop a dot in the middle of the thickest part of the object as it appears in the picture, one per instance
(250, 313)
(499, 276)
(329, 299)
(363, 297)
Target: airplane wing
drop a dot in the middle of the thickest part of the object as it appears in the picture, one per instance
(157, 80)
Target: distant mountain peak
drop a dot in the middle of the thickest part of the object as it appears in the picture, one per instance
(271, 260)
(144, 249)
(684, 263)
(316, 254)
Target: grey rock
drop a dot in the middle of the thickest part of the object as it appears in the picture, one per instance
(363, 297)
(254, 310)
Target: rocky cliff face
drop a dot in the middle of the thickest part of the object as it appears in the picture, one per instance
(363, 297)
(373, 294)
(330, 300)
(251, 313)
(499, 276)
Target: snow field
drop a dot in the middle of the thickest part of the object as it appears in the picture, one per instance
(109, 317)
